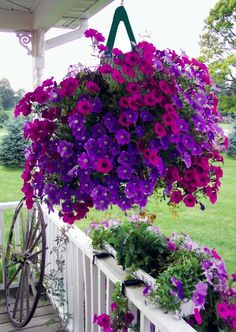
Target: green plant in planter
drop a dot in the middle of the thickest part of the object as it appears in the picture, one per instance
(178, 280)
(138, 247)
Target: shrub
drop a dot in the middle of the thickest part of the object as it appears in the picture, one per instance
(232, 142)
(3, 118)
(13, 144)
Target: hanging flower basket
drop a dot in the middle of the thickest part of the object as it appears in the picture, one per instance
(141, 121)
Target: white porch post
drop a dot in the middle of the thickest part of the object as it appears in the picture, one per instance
(38, 55)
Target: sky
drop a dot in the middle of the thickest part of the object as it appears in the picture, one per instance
(174, 24)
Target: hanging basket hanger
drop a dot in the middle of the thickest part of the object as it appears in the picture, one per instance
(120, 15)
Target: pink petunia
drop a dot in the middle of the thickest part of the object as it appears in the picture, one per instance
(150, 100)
(103, 165)
(117, 76)
(103, 320)
(223, 310)
(131, 58)
(128, 71)
(176, 196)
(215, 254)
(160, 130)
(133, 87)
(105, 69)
(198, 316)
(189, 200)
(92, 87)
(84, 107)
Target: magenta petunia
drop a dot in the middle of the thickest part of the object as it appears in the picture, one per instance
(92, 87)
(84, 107)
(176, 196)
(160, 130)
(189, 200)
(197, 316)
(103, 165)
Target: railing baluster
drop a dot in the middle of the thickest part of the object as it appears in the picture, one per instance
(87, 291)
(78, 290)
(101, 292)
(144, 323)
(109, 290)
(94, 294)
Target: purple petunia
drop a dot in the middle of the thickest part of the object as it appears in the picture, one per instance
(124, 172)
(178, 291)
(199, 295)
(122, 137)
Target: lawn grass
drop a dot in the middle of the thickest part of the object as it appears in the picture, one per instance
(227, 126)
(214, 227)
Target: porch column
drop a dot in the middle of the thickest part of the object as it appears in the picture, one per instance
(38, 56)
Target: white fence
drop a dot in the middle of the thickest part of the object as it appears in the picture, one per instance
(88, 287)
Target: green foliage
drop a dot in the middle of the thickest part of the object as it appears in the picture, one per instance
(7, 94)
(136, 247)
(3, 118)
(232, 142)
(227, 104)
(185, 266)
(13, 144)
(118, 316)
(218, 51)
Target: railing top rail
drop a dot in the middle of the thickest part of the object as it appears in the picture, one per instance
(8, 205)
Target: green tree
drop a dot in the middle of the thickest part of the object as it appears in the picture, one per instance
(7, 94)
(232, 142)
(13, 144)
(3, 118)
(218, 50)
(19, 95)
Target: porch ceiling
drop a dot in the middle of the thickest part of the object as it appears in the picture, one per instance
(29, 15)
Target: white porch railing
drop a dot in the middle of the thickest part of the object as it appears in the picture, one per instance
(88, 287)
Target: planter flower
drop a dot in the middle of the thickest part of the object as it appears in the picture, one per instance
(142, 121)
(180, 276)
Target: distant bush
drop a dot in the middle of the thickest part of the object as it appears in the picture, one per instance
(232, 142)
(13, 144)
(3, 118)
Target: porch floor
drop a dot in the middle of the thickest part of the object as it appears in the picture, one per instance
(45, 318)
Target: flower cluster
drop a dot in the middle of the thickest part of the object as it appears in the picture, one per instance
(183, 271)
(120, 319)
(227, 311)
(142, 121)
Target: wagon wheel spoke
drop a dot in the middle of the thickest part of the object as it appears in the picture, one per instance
(33, 235)
(35, 243)
(35, 254)
(14, 276)
(27, 288)
(22, 226)
(22, 284)
(31, 226)
(18, 293)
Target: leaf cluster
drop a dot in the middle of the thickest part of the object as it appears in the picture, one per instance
(138, 247)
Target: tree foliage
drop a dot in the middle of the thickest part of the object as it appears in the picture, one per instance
(7, 94)
(13, 144)
(218, 49)
(232, 142)
(3, 118)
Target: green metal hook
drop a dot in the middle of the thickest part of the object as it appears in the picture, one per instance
(120, 15)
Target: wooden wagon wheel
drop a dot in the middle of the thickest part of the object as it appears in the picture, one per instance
(25, 263)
